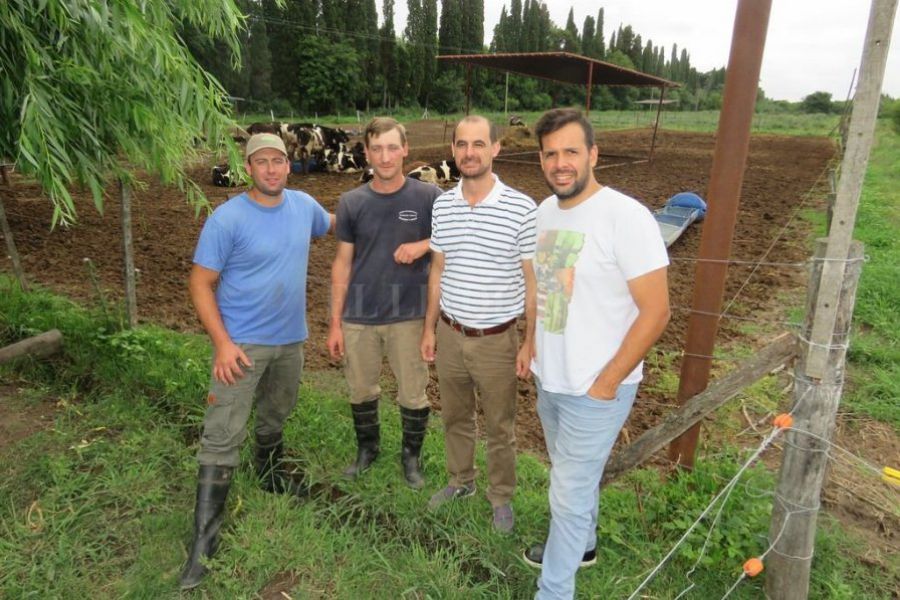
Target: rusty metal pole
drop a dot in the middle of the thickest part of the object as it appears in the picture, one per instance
(590, 83)
(662, 94)
(726, 177)
(468, 87)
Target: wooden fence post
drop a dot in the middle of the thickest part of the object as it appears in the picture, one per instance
(128, 257)
(853, 170)
(11, 249)
(795, 508)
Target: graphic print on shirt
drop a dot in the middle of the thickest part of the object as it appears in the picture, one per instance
(554, 262)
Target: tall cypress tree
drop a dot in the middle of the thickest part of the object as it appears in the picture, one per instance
(571, 42)
(388, 55)
(515, 35)
(599, 44)
(259, 61)
(500, 41)
(588, 37)
(648, 59)
(472, 23)
(429, 41)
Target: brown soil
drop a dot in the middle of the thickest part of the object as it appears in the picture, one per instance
(20, 417)
(781, 171)
(783, 175)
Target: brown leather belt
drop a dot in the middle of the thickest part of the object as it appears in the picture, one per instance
(472, 331)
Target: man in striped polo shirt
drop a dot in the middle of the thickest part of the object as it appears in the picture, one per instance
(481, 281)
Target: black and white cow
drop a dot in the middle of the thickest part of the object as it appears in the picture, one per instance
(347, 159)
(222, 177)
(447, 171)
(439, 173)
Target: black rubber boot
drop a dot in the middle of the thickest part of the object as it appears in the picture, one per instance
(368, 437)
(274, 477)
(212, 490)
(415, 424)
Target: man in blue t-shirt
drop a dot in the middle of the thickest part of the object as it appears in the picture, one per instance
(248, 285)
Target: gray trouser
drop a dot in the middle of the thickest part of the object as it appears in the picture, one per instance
(273, 382)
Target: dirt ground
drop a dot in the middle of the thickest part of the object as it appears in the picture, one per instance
(781, 171)
(781, 174)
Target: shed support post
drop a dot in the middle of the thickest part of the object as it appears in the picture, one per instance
(468, 88)
(662, 94)
(590, 85)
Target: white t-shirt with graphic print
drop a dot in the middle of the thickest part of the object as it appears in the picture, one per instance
(584, 258)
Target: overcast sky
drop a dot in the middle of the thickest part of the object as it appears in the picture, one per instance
(811, 45)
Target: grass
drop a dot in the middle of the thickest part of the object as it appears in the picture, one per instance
(874, 354)
(100, 505)
(769, 123)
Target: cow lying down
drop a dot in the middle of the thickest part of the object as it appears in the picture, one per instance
(439, 173)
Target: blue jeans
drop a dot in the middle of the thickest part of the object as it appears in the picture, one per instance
(580, 432)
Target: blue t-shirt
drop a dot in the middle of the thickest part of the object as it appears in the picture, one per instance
(261, 254)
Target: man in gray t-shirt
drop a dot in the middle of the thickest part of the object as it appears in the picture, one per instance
(378, 289)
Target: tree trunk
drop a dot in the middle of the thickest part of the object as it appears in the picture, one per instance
(11, 248)
(128, 255)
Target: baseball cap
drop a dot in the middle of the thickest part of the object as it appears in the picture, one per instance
(260, 141)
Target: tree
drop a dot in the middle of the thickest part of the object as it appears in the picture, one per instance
(599, 44)
(587, 37)
(87, 93)
(328, 75)
(259, 62)
(450, 31)
(388, 52)
(817, 102)
(571, 43)
(472, 25)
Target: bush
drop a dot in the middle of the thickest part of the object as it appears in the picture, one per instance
(894, 115)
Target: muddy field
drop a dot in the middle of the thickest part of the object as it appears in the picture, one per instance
(780, 174)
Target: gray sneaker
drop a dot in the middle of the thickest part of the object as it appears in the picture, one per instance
(451, 492)
(503, 518)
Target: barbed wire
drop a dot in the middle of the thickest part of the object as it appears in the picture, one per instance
(790, 508)
(790, 220)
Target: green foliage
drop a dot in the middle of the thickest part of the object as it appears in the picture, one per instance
(100, 504)
(817, 102)
(893, 113)
(90, 89)
(328, 75)
(874, 355)
(447, 94)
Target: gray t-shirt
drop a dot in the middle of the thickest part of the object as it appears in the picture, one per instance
(381, 290)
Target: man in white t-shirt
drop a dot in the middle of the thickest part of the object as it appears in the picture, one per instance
(602, 302)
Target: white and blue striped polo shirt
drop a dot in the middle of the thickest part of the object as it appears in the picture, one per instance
(483, 247)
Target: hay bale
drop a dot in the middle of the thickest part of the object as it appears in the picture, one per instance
(518, 137)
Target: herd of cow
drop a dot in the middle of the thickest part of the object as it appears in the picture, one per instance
(313, 147)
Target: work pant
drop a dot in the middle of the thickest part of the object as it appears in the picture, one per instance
(273, 381)
(364, 347)
(580, 432)
(486, 365)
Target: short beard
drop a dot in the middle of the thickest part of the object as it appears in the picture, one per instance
(577, 187)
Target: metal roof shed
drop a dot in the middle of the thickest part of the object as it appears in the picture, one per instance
(563, 67)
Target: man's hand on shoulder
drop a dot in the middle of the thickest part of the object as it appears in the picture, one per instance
(229, 363)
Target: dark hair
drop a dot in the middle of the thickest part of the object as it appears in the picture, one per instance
(381, 125)
(556, 119)
(493, 132)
